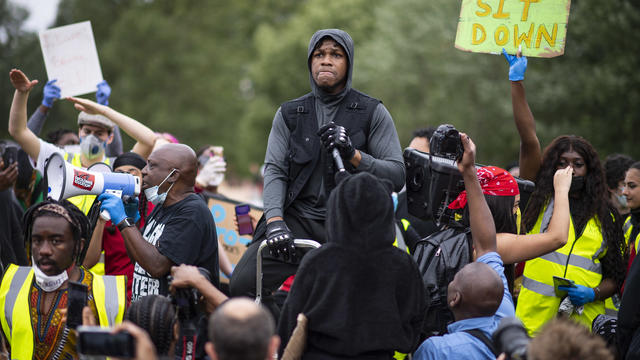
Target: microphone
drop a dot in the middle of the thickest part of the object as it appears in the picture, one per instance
(341, 174)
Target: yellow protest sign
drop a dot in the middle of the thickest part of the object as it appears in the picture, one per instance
(539, 26)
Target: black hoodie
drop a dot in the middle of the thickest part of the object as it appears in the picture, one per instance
(363, 297)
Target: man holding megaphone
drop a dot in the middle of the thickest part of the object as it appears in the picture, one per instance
(95, 129)
(180, 230)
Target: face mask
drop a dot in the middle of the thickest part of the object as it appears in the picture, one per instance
(46, 282)
(622, 200)
(152, 192)
(91, 147)
(577, 184)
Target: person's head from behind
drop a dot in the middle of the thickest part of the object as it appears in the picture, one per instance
(157, 316)
(240, 329)
(615, 168)
(170, 167)
(330, 60)
(565, 339)
(421, 137)
(476, 291)
(632, 186)
(55, 232)
(95, 132)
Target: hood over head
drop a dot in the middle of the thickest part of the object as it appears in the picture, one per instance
(342, 38)
(360, 213)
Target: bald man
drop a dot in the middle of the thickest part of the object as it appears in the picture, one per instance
(180, 230)
(241, 329)
(478, 296)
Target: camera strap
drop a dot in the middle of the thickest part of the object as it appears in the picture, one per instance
(478, 334)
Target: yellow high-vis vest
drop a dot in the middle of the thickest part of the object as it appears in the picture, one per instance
(578, 260)
(109, 294)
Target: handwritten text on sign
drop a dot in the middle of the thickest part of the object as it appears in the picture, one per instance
(71, 58)
(539, 26)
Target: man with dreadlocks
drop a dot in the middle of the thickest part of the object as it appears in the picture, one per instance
(33, 299)
(593, 257)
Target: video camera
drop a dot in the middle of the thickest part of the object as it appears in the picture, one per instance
(434, 181)
(511, 338)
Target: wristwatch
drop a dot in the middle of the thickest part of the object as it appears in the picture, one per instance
(125, 223)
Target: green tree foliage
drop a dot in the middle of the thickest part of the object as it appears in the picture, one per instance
(216, 71)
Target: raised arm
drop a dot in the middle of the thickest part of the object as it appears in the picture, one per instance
(145, 137)
(18, 114)
(530, 150)
(516, 248)
(483, 229)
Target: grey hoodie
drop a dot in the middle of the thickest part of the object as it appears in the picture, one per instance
(384, 161)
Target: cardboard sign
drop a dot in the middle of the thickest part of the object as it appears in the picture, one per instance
(234, 244)
(71, 58)
(539, 26)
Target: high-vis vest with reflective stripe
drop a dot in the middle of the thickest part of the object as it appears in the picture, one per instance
(109, 294)
(83, 202)
(612, 304)
(578, 260)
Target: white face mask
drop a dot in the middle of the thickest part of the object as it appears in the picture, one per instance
(152, 192)
(46, 282)
(91, 147)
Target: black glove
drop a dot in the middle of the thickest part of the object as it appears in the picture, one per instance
(335, 136)
(280, 240)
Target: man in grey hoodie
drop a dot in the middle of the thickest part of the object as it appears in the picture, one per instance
(299, 171)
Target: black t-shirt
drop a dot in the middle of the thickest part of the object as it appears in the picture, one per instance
(186, 234)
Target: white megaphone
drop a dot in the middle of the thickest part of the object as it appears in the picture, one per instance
(65, 180)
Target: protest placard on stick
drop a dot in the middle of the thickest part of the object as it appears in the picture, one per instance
(538, 26)
(70, 56)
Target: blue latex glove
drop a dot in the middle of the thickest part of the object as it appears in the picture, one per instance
(517, 66)
(51, 93)
(113, 204)
(579, 294)
(131, 209)
(103, 93)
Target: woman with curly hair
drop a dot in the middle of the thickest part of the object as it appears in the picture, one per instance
(593, 257)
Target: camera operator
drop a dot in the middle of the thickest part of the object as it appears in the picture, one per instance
(478, 296)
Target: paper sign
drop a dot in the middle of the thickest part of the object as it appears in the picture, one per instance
(70, 56)
(224, 214)
(539, 26)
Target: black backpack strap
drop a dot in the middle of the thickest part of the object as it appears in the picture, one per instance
(478, 334)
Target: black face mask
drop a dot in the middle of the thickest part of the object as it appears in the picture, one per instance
(577, 184)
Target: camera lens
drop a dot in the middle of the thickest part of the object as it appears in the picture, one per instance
(511, 338)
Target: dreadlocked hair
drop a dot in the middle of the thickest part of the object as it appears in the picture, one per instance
(80, 226)
(592, 201)
(157, 316)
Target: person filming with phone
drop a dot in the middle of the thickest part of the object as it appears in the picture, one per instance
(41, 303)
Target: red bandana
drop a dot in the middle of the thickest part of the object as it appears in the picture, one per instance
(494, 181)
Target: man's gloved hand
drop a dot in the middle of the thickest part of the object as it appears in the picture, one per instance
(103, 93)
(51, 93)
(517, 66)
(113, 204)
(280, 240)
(335, 136)
(131, 208)
(579, 294)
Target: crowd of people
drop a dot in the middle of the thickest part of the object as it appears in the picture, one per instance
(552, 271)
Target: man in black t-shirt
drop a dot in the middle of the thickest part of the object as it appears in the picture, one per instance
(180, 230)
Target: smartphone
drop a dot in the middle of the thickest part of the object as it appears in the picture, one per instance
(94, 340)
(244, 220)
(10, 155)
(77, 301)
(560, 281)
